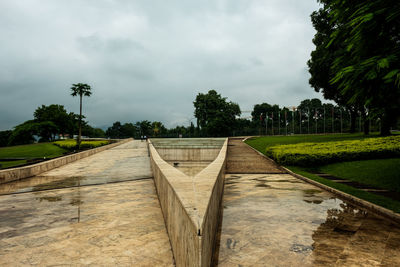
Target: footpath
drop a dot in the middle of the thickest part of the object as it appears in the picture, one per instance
(271, 218)
(101, 210)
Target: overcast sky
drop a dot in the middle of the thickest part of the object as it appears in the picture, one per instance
(149, 59)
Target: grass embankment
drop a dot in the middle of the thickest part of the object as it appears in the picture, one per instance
(27, 152)
(376, 199)
(381, 173)
(22, 154)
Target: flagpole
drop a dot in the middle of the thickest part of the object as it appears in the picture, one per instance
(279, 122)
(300, 119)
(316, 121)
(272, 123)
(285, 123)
(266, 123)
(293, 120)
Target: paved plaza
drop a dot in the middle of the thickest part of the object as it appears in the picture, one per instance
(101, 211)
(104, 211)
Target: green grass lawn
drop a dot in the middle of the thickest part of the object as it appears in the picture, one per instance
(376, 199)
(32, 151)
(8, 164)
(381, 173)
(261, 143)
(39, 150)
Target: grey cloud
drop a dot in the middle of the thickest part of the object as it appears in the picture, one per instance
(149, 59)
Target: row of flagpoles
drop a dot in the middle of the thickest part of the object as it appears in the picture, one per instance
(268, 118)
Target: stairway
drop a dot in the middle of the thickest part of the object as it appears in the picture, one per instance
(243, 159)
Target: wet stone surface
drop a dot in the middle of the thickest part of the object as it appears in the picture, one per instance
(278, 220)
(101, 211)
(115, 224)
(190, 168)
(126, 162)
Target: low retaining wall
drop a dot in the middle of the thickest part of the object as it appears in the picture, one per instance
(191, 207)
(189, 154)
(36, 169)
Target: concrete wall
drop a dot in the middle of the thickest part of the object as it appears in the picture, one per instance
(188, 154)
(211, 207)
(191, 207)
(175, 192)
(188, 149)
(14, 174)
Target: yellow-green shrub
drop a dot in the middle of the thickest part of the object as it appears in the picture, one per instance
(311, 154)
(72, 144)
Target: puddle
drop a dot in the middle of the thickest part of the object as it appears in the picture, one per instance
(311, 192)
(50, 198)
(263, 185)
(300, 225)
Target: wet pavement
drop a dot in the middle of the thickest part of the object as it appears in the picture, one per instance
(190, 168)
(278, 220)
(102, 210)
(126, 162)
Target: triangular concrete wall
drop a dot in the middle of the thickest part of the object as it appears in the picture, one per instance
(191, 207)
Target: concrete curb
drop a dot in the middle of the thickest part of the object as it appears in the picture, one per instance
(388, 214)
(15, 174)
(392, 216)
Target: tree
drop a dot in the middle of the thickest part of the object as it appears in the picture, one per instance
(215, 116)
(144, 127)
(322, 59)
(115, 130)
(23, 133)
(46, 130)
(367, 71)
(158, 128)
(129, 130)
(4, 137)
(61, 121)
(80, 89)
(98, 133)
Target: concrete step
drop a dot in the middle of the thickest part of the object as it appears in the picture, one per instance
(243, 159)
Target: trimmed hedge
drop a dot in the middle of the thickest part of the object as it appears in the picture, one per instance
(72, 144)
(312, 154)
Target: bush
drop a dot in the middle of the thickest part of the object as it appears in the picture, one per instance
(72, 144)
(312, 154)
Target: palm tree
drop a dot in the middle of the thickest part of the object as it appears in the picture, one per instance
(80, 89)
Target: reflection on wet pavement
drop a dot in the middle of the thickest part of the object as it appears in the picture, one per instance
(126, 162)
(114, 224)
(102, 211)
(278, 220)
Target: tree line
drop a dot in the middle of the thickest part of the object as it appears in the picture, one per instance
(48, 123)
(215, 117)
(356, 61)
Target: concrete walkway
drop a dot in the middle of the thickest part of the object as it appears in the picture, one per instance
(102, 210)
(272, 219)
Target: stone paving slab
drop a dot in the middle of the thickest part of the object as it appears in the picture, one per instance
(117, 224)
(126, 162)
(101, 211)
(279, 220)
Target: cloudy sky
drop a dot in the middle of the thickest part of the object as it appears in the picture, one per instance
(149, 59)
